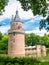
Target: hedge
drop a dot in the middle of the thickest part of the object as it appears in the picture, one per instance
(3, 51)
(21, 61)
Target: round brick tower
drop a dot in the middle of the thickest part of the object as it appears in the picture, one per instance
(16, 41)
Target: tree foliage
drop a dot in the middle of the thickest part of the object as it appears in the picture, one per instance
(3, 43)
(32, 39)
(45, 40)
(19, 61)
(44, 23)
(3, 3)
(37, 6)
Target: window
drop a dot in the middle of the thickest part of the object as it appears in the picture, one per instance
(14, 33)
(16, 23)
(19, 27)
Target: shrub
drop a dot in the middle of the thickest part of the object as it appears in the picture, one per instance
(3, 52)
(21, 61)
(47, 49)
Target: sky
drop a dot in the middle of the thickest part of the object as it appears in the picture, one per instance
(30, 22)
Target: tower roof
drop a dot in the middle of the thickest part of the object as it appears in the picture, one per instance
(16, 18)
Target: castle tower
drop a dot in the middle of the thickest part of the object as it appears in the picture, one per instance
(16, 41)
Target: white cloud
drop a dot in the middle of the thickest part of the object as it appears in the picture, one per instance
(11, 8)
(4, 29)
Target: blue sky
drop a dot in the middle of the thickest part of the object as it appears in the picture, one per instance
(30, 22)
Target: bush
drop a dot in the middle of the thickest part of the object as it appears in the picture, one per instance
(47, 50)
(20, 61)
(3, 52)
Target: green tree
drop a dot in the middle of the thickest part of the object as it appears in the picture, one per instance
(4, 43)
(32, 39)
(0, 36)
(37, 6)
(27, 40)
(35, 39)
(45, 40)
(38, 40)
(44, 23)
(3, 3)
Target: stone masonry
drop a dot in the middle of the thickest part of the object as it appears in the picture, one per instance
(16, 41)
